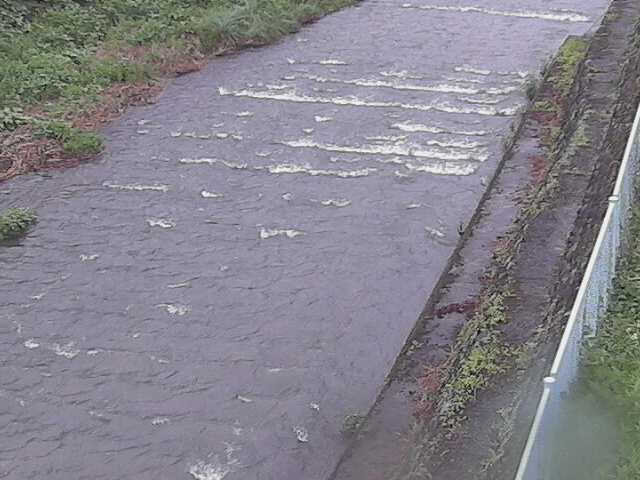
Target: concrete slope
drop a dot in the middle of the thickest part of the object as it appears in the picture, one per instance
(241, 269)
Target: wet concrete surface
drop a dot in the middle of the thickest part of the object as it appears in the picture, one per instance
(241, 269)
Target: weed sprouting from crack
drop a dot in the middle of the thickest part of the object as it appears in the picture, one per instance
(569, 58)
(503, 430)
(484, 356)
(352, 423)
(15, 222)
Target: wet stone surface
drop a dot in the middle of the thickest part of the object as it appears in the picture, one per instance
(239, 272)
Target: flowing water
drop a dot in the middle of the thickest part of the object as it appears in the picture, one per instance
(240, 270)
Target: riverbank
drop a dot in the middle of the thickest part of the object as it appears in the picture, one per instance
(67, 68)
(226, 290)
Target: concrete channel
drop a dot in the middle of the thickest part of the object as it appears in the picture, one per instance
(238, 273)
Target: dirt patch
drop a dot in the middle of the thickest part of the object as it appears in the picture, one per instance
(469, 378)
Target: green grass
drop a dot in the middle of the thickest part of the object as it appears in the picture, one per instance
(15, 222)
(568, 60)
(73, 141)
(545, 106)
(612, 372)
(484, 358)
(58, 56)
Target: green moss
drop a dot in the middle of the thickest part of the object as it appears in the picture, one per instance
(15, 222)
(580, 137)
(567, 62)
(545, 106)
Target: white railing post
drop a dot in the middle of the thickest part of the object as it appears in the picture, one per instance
(588, 310)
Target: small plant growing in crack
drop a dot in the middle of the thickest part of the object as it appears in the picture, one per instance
(15, 222)
(486, 357)
(531, 86)
(545, 106)
(352, 422)
(503, 428)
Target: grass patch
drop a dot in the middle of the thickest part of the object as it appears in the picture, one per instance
(571, 54)
(581, 137)
(352, 422)
(545, 106)
(484, 359)
(75, 49)
(60, 58)
(612, 363)
(15, 222)
(73, 140)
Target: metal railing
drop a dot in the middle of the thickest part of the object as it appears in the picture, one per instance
(589, 308)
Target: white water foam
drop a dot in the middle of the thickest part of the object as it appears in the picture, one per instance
(444, 168)
(416, 127)
(216, 469)
(206, 194)
(388, 138)
(160, 222)
(457, 144)
(301, 434)
(290, 168)
(137, 187)
(174, 309)
(214, 161)
(271, 86)
(209, 471)
(485, 72)
(66, 351)
(332, 61)
(159, 421)
(31, 344)
(403, 74)
(391, 149)
(439, 88)
(480, 100)
(434, 232)
(274, 232)
(475, 71)
(340, 202)
(281, 168)
(465, 80)
(558, 16)
(293, 96)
